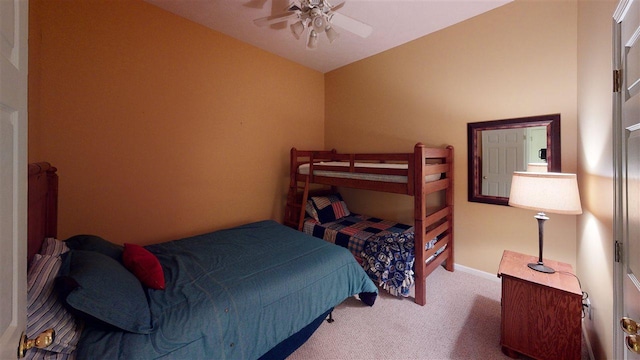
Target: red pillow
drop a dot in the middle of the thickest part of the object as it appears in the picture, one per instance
(144, 265)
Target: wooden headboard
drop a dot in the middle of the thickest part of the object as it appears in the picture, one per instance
(42, 218)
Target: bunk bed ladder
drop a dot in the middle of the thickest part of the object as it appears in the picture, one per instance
(303, 203)
(295, 209)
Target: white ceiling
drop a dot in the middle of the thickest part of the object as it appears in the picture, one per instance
(394, 23)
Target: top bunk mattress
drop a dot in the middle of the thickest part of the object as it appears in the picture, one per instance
(304, 170)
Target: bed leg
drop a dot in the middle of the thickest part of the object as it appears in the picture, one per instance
(330, 319)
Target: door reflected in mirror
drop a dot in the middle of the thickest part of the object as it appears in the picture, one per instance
(507, 150)
(498, 148)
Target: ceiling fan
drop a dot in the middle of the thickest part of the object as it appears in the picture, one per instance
(316, 17)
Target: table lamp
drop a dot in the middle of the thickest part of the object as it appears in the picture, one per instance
(545, 192)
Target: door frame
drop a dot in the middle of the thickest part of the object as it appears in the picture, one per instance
(14, 83)
(618, 143)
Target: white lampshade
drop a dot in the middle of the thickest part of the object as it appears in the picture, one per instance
(332, 34)
(537, 167)
(297, 29)
(312, 43)
(545, 192)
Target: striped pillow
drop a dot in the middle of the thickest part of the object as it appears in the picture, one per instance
(39, 354)
(311, 211)
(44, 311)
(53, 247)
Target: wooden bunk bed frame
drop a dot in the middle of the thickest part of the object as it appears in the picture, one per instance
(422, 162)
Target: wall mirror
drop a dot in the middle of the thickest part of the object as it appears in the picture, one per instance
(498, 148)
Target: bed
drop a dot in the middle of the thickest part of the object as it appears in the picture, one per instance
(425, 172)
(253, 291)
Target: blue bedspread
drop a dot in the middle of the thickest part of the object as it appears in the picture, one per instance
(389, 259)
(235, 294)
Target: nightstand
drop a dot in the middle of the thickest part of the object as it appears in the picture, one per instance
(541, 313)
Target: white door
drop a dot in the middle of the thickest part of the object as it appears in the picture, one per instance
(627, 163)
(13, 173)
(503, 152)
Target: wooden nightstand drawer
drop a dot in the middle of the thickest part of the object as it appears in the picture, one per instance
(541, 313)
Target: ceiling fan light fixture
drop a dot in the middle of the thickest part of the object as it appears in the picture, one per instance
(319, 23)
(332, 34)
(318, 20)
(297, 29)
(318, 16)
(312, 43)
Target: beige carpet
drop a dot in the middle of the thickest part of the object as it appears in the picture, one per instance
(460, 321)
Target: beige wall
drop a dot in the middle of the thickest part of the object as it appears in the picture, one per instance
(517, 60)
(526, 58)
(161, 128)
(595, 160)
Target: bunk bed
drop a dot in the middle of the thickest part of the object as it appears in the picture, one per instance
(422, 173)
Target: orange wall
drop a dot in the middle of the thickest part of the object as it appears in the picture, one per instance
(159, 127)
(517, 60)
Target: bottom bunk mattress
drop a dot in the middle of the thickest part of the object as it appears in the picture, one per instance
(384, 248)
(353, 231)
(231, 294)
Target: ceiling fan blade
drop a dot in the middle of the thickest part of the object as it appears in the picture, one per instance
(255, 4)
(337, 7)
(274, 19)
(350, 24)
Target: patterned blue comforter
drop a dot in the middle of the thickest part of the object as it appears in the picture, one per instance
(354, 231)
(388, 260)
(384, 248)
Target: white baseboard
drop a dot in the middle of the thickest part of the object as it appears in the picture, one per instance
(482, 274)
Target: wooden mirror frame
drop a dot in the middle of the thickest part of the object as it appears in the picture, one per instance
(552, 123)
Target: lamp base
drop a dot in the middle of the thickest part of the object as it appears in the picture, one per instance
(541, 267)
